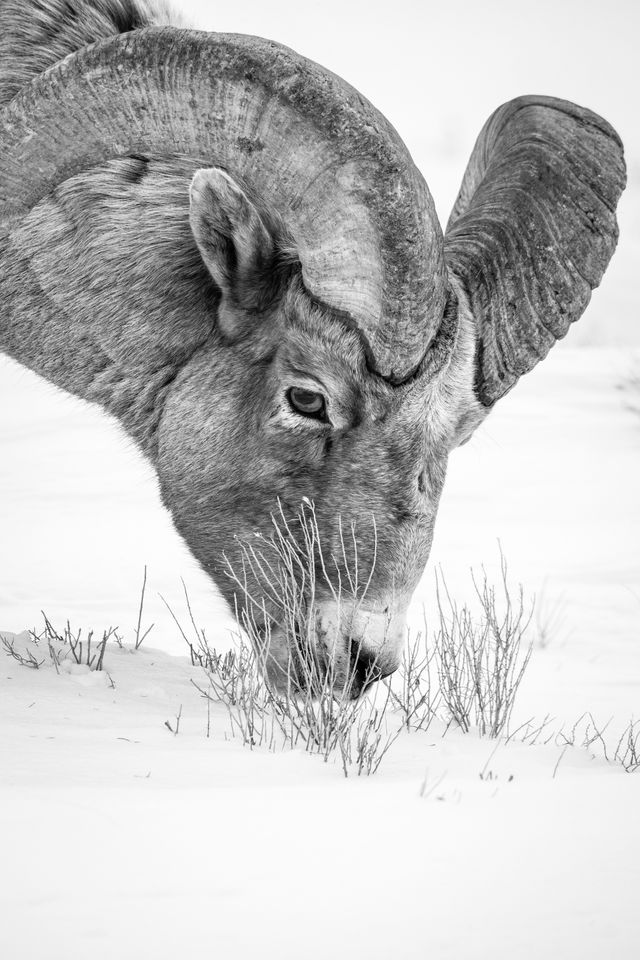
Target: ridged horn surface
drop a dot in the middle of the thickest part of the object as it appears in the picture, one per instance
(533, 230)
(297, 136)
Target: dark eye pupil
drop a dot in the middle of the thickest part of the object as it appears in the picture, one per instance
(307, 402)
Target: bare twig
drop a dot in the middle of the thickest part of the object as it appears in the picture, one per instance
(481, 664)
(26, 659)
(176, 729)
(140, 637)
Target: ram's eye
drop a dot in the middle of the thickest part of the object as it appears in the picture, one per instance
(307, 403)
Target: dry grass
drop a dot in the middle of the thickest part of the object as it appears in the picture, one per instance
(25, 658)
(324, 722)
(87, 652)
(627, 750)
(60, 646)
(414, 693)
(588, 734)
(322, 719)
(312, 707)
(472, 671)
(75, 646)
(140, 633)
(467, 674)
(481, 663)
(290, 567)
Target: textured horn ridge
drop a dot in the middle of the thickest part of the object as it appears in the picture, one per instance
(290, 132)
(532, 230)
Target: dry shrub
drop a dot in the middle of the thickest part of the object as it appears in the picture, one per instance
(481, 663)
(588, 734)
(473, 669)
(289, 568)
(627, 751)
(26, 657)
(323, 721)
(413, 690)
(69, 644)
(313, 708)
(83, 649)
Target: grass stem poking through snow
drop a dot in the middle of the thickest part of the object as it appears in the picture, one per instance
(330, 725)
(627, 751)
(473, 669)
(61, 645)
(279, 580)
(411, 688)
(141, 636)
(586, 732)
(312, 708)
(481, 663)
(175, 730)
(26, 659)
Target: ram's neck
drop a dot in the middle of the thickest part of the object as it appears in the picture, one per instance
(39, 335)
(105, 298)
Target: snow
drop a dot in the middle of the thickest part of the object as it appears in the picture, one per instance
(119, 838)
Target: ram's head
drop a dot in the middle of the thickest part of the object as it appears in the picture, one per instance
(232, 251)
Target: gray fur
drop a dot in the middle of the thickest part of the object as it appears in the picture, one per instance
(168, 293)
(38, 33)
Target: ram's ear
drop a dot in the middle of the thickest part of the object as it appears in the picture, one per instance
(237, 247)
(532, 231)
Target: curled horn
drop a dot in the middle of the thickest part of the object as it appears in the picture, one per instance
(532, 230)
(295, 135)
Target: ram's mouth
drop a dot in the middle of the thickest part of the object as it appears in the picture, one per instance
(320, 666)
(364, 670)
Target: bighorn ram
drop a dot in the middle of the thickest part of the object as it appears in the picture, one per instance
(231, 251)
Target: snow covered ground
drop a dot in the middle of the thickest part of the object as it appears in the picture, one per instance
(118, 838)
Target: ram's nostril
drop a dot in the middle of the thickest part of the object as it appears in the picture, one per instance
(364, 669)
(422, 481)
